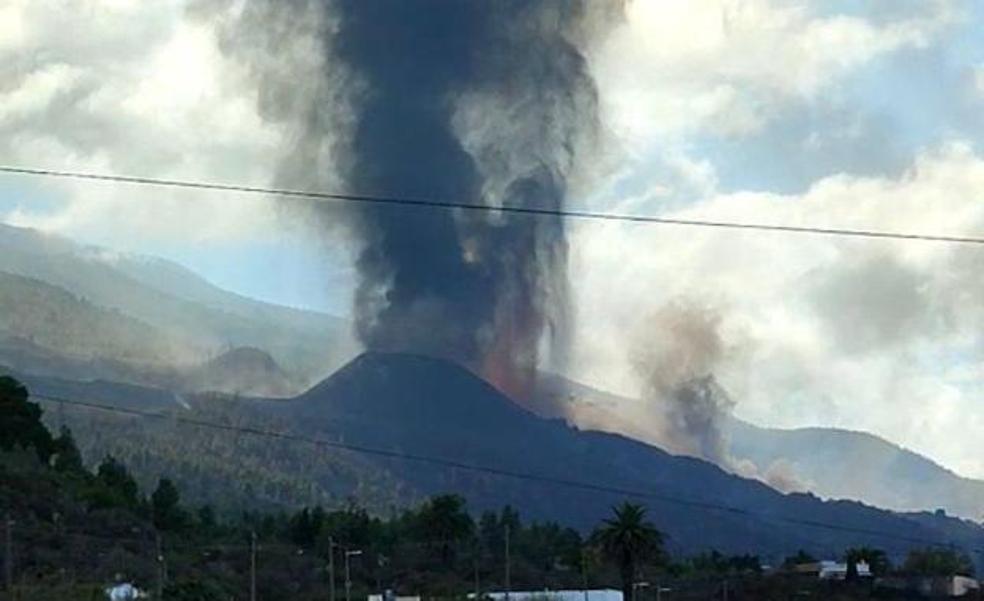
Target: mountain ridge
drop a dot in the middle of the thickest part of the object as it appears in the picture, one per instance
(308, 343)
(411, 407)
(482, 427)
(902, 480)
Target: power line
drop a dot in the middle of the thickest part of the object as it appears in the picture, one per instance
(589, 486)
(470, 206)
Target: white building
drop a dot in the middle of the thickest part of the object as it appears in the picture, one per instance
(547, 595)
(832, 570)
(958, 586)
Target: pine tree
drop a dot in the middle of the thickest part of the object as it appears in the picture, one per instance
(67, 456)
(165, 504)
(115, 477)
(20, 421)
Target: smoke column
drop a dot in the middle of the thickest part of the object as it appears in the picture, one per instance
(440, 84)
(469, 101)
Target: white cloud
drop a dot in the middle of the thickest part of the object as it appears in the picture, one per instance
(134, 88)
(725, 67)
(866, 334)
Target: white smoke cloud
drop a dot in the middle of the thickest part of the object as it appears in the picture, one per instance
(865, 334)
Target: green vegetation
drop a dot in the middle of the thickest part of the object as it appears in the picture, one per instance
(21, 424)
(630, 540)
(75, 531)
(938, 562)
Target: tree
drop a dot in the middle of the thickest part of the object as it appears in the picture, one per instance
(627, 539)
(938, 562)
(20, 421)
(875, 558)
(123, 489)
(165, 505)
(195, 590)
(801, 557)
(445, 521)
(304, 527)
(67, 456)
(206, 518)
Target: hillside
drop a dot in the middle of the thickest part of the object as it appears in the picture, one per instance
(177, 302)
(847, 464)
(833, 463)
(56, 321)
(427, 407)
(430, 407)
(239, 371)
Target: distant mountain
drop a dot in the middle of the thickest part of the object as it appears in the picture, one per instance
(177, 303)
(240, 371)
(39, 314)
(857, 465)
(830, 462)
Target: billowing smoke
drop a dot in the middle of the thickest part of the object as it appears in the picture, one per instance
(676, 354)
(473, 102)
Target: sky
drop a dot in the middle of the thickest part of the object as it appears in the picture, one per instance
(838, 114)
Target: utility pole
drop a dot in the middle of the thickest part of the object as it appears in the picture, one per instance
(160, 567)
(348, 576)
(584, 572)
(508, 567)
(252, 566)
(724, 590)
(8, 558)
(478, 557)
(478, 588)
(331, 568)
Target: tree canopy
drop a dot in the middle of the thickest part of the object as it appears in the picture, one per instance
(20, 421)
(628, 538)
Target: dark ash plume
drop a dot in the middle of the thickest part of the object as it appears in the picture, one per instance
(699, 408)
(472, 101)
(478, 288)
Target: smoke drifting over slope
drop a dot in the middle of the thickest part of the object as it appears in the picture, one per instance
(676, 356)
(486, 102)
(675, 360)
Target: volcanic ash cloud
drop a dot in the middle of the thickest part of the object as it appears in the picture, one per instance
(476, 102)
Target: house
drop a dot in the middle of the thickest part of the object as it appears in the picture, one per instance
(949, 586)
(831, 570)
(959, 586)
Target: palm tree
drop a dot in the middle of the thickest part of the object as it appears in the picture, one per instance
(628, 538)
